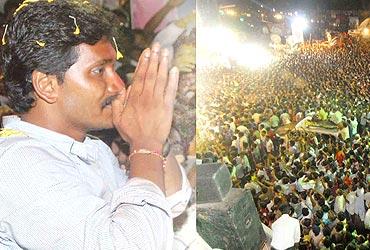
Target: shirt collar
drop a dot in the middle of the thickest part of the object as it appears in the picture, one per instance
(86, 150)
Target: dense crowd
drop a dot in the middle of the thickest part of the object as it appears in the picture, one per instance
(247, 120)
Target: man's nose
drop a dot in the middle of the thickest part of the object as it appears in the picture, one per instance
(115, 84)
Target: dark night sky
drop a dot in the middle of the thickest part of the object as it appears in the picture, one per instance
(307, 4)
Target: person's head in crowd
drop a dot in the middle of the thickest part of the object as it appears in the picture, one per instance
(339, 226)
(327, 241)
(321, 201)
(326, 231)
(351, 246)
(285, 209)
(316, 230)
(360, 239)
(327, 193)
(319, 214)
(285, 180)
(347, 237)
(277, 189)
(305, 211)
(325, 208)
(306, 222)
(277, 201)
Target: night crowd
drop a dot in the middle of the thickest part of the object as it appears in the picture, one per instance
(246, 120)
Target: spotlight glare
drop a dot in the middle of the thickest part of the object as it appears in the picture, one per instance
(230, 12)
(252, 56)
(299, 23)
(213, 45)
(278, 16)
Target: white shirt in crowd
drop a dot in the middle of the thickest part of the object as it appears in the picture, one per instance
(285, 232)
(354, 125)
(339, 204)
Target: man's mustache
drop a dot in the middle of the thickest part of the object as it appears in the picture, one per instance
(109, 100)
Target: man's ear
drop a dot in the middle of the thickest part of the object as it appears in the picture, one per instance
(46, 86)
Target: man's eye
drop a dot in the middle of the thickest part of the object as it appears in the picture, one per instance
(98, 70)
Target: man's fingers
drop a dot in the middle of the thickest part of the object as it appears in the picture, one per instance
(127, 96)
(173, 80)
(140, 72)
(162, 76)
(118, 106)
(151, 73)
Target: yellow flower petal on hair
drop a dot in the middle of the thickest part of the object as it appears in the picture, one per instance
(49, 1)
(24, 4)
(3, 39)
(77, 30)
(119, 54)
(7, 132)
(40, 43)
(19, 8)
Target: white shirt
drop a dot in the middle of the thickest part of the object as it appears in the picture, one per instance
(269, 146)
(58, 193)
(339, 204)
(285, 232)
(350, 205)
(354, 125)
(367, 219)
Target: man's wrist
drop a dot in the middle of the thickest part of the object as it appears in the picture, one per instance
(148, 145)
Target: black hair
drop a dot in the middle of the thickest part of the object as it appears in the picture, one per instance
(316, 230)
(325, 208)
(339, 226)
(351, 246)
(341, 216)
(327, 242)
(319, 214)
(306, 222)
(285, 209)
(305, 211)
(326, 231)
(52, 26)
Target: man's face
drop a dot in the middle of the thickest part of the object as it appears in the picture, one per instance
(88, 86)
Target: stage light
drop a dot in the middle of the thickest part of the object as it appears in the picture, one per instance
(230, 12)
(252, 56)
(299, 23)
(278, 16)
(214, 45)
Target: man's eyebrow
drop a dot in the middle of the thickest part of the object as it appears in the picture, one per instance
(103, 62)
